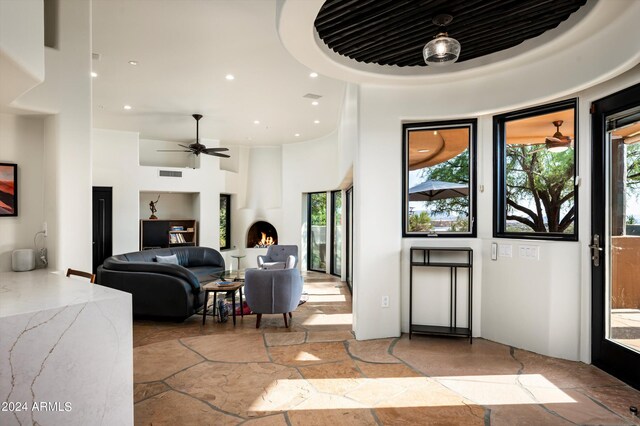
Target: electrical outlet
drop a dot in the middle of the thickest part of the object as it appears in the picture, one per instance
(385, 302)
(494, 251)
(529, 252)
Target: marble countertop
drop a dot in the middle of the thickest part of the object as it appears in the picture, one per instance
(41, 289)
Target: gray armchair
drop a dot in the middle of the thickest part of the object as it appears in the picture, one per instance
(277, 257)
(273, 291)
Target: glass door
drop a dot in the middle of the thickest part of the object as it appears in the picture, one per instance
(317, 238)
(349, 228)
(615, 240)
(336, 233)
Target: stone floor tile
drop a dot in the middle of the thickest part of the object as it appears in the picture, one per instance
(525, 415)
(374, 370)
(563, 373)
(229, 347)
(285, 339)
(158, 361)
(449, 416)
(335, 378)
(173, 408)
(443, 356)
(247, 390)
(142, 391)
(422, 392)
(372, 350)
(329, 336)
(617, 398)
(362, 417)
(273, 420)
(584, 411)
(309, 353)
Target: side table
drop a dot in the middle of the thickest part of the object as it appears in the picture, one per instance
(215, 288)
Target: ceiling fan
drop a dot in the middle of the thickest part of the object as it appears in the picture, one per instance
(556, 143)
(197, 148)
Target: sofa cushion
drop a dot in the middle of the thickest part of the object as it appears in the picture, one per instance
(168, 259)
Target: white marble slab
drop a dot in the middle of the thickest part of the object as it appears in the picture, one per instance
(65, 346)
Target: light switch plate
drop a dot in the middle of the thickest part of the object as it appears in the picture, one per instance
(494, 251)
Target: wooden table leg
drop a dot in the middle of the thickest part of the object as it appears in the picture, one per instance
(241, 304)
(204, 311)
(233, 304)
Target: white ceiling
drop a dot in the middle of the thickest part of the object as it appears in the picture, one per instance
(184, 49)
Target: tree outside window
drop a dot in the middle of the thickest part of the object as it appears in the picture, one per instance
(535, 176)
(225, 221)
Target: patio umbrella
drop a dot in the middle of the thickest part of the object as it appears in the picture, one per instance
(430, 190)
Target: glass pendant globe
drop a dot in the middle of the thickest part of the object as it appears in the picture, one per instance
(442, 50)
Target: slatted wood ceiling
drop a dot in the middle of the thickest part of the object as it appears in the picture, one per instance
(393, 32)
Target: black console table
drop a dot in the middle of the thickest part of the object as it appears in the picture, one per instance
(436, 257)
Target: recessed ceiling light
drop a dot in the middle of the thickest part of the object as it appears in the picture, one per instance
(316, 121)
(313, 75)
(435, 132)
(315, 103)
(133, 62)
(127, 107)
(424, 150)
(94, 74)
(296, 135)
(256, 122)
(229, 77)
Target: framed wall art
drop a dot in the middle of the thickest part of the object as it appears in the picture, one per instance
(8, 189)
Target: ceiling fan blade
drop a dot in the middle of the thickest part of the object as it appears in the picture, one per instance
(217, 154)
(208, 150)
(172, 150)
(184, 146)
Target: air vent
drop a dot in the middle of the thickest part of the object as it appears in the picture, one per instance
(312, 96)
(95, 56)
(170, 173)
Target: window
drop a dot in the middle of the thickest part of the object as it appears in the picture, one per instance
(317, 238)
(336, 232)
(535, 173)
(439, 179)
(225, 221)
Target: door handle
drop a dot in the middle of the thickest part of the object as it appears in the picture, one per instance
(595, 250)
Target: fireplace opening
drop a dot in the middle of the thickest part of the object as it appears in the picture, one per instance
(261, 234)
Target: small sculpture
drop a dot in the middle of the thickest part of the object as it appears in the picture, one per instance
(152, 207)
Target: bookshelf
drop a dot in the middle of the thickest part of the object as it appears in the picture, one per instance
(168, 233)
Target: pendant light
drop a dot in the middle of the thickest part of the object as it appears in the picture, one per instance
(442, 50)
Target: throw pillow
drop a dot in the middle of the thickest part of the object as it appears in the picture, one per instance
(168, 259)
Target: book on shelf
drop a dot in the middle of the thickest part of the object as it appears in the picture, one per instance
(172, 239)
(190, 229)
(177, 228)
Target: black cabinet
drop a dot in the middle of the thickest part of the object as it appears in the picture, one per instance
(443, 257)
(167, 233)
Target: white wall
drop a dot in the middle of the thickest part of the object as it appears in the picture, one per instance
(115, 163)
(65, 94)
(533, 305)
(21, 142)
(21, 47)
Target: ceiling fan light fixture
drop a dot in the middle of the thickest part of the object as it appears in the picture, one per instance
(442, 50)
(558, 142)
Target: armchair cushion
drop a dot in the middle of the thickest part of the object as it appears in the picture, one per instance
(277, 257)
(273, 291)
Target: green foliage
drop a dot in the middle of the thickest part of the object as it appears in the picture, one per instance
(461, 224)
(540, 188)
(319, 208)
(420, 222)
(633, 169)
(631, 220)
(455, 170)
(224, 211)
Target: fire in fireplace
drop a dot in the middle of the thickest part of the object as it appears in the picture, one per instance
(261, 234)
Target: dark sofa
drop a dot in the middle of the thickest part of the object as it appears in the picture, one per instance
(161, 289)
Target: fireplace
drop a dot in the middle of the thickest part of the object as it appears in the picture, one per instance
(261, 234)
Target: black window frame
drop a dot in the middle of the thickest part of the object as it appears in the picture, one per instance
(472, 124)
(227, 227)
(499, 171)
(309, 239)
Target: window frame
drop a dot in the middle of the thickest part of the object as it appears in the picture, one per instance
(227, 222)
(499, 171)
(309, 224)
(472, 124)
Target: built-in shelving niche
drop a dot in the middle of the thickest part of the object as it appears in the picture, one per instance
(172, 205)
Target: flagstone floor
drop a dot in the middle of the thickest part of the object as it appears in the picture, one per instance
(316, 373)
